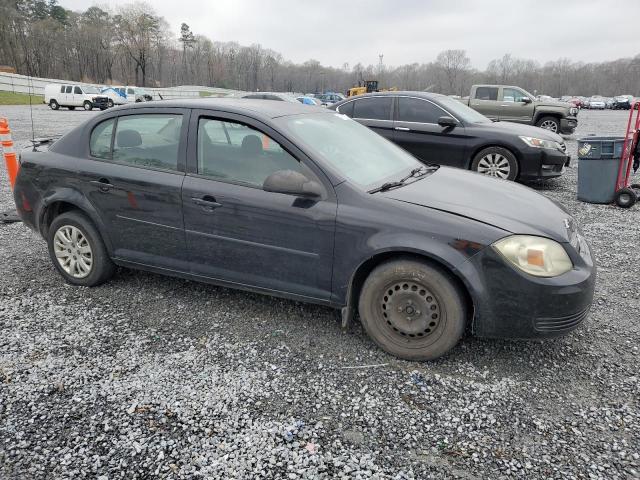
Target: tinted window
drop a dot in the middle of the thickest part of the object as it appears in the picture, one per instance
(68, 88)
(415, 110)
(513, 95)
(130, 90)
(100, 143)
(77, 90)
(255, 96)
(62, 89)
(148, 140)
(346, 108)
(487, 93)
(234, 152)
(378, 108)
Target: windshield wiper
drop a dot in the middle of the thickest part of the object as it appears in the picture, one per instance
(416, 172)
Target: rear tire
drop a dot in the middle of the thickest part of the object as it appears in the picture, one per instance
(77, 250)
(87, 105)
(412, 310)
(496, 162)
(625, 197)
(53, 105)
(549, 123)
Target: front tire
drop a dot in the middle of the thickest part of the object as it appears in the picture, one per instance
(549, 123)
(53, 105)
(87, 105)
(77, 250)
(109, 103)
(412, 310)
(496, 162)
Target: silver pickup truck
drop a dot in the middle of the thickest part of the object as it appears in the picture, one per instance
(513, 104)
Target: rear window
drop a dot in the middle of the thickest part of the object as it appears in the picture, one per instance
(487, 93)
(100, 143)
(375, 108)
(346, 108)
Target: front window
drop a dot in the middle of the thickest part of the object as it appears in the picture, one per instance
(351, 149)
(77, 90)
(513, 95)
(419, 111)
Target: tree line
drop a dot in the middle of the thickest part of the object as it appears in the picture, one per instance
(135, 46)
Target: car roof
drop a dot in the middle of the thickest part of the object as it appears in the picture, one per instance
(246, 106)
(427, 95)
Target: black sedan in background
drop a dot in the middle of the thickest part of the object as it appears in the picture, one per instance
(438, 129)
(299, 201)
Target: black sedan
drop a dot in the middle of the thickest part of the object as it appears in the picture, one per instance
(438, 129)
(304, 203)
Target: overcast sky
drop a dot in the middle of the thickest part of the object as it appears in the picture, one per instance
(407, 31)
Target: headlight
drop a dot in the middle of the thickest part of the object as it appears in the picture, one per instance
(540, 143)
(573, 111)
(537, 256)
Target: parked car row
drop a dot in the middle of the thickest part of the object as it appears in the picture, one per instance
(89, 97)
(597, 102)
(306, 203)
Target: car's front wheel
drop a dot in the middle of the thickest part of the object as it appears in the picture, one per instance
(110, 103)
(77, 250)
(412, 310)
(496, 162)
(549, 123)
(87, 105)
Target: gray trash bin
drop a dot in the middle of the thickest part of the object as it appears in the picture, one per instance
(598, 163)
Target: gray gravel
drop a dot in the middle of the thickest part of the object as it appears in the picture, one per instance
(154, 377)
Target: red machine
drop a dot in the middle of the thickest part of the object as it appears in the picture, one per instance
(627, 195)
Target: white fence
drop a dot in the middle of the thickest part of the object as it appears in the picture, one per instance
(12, 82)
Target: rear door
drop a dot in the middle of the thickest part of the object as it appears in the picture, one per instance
(239, 233)
(416, 130)
(486, 102)
(68, 95)
(133, 176)
(513, 108)
(375, 113)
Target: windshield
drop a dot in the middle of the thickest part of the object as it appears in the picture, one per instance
(88, 89)
(351, 149)
(461, 111)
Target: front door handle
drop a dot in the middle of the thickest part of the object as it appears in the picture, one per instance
(207, 202)
(403, 129)
(103, 184)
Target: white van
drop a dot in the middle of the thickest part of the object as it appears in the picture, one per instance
(119, 95)
(72, 96)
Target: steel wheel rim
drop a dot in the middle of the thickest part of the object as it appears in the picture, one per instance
(73, 251)
(410, 310)
(549, 125)
(87, 106)
(494, 165)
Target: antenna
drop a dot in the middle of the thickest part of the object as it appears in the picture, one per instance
(33, 130)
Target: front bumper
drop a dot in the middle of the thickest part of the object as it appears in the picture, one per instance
(568, 125)
(509, 303)
(539, 163)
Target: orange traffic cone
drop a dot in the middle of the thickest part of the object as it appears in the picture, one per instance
(10, 158)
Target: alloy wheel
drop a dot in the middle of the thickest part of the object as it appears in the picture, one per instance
(73, 251)
(494, 165)
(550, 125)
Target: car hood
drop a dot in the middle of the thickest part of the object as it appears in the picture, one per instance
(522, 129)
(503, 204)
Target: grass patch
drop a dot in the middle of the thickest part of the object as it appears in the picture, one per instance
(10, 98)
(205, 94)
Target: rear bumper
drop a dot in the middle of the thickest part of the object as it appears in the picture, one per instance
(536, 164)
(511, 304)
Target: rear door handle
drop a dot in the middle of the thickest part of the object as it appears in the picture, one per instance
(103, 184)
(208, 202)
(402, 129)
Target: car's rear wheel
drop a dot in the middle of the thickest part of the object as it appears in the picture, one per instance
(87, 105)
(53, 105)
(77, 250)
(412, 310)
(496, 162)
(549, 123)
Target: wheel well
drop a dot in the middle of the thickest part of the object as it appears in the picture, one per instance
(540, 116)
(52, 211)
(367, 267)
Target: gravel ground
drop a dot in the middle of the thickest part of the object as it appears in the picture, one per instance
(154, 377)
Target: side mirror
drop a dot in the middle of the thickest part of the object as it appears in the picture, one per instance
(294, 183)
(526, 100)
(447, 122)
